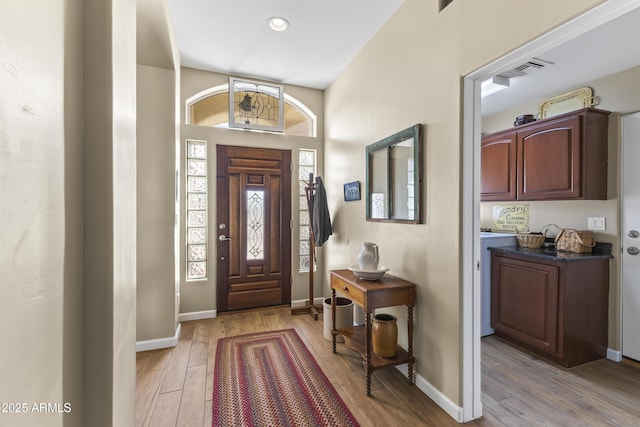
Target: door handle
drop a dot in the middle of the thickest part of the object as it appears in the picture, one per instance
(222, 238)
(632, 250)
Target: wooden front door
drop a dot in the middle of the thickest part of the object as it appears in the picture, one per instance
(254, 231)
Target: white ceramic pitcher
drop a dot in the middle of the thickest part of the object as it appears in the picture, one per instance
(368, 257)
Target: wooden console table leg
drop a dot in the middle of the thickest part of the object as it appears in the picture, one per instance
(410, 333)
(367, 351)
(333, 319)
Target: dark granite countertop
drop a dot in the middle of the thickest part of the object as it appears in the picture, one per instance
(601, 250)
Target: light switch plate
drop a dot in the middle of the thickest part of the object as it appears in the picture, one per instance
(596, 223)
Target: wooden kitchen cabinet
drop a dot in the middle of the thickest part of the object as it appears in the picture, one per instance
(526, 297)
(498, 168)
(556, 309)
(559, 158)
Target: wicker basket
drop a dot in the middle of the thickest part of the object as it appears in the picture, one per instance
(530, 240)
(578, 241)
(527, 240)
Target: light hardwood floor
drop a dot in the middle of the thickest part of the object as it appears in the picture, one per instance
(175, 386)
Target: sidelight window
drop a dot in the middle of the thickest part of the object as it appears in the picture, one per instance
(307, 165)
(196, 210)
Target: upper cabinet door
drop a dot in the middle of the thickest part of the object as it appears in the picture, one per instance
(498, 169)
(549, 155)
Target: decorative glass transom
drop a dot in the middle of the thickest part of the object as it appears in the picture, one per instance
(211, 108)
(254, 105)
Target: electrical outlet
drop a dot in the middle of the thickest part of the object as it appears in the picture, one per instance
(596, 223)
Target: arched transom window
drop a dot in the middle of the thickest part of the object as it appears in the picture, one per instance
(211, 108)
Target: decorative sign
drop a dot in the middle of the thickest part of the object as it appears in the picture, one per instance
(514, 218)
(256, 105)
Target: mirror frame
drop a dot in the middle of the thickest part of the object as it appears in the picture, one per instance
(414, 132)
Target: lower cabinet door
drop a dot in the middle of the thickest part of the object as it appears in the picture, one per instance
(524, 302)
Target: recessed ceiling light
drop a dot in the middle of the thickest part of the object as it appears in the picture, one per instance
(277, 23)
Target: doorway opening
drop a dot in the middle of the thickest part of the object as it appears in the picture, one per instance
(472, 126)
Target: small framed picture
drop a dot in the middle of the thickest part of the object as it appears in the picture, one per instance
(352, 191)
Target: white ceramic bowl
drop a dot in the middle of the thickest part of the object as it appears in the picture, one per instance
(369, 274)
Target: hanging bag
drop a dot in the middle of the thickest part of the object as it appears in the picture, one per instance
(579, 241)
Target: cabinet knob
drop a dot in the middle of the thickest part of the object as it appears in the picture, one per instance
(632, 250)
(346, 289)
(633, 234)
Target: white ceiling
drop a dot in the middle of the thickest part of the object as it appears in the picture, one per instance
(234, 38)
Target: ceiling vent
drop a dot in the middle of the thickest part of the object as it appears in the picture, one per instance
(533, 64)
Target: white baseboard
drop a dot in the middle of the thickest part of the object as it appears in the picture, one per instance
(197, 315)
(615, 355)
(160, 342)
(303, 302)
(436, 395)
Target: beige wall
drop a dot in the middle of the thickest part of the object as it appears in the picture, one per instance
(620, 94)
(201, 295)
(155, 205)
(158, 85)
(40, 213)
(410, 72)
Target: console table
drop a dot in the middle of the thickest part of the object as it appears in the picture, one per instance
(385, 292)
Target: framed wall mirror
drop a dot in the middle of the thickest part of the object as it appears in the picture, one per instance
(394, 175)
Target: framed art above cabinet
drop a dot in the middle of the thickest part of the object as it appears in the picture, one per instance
(560, 158)
(394, 175)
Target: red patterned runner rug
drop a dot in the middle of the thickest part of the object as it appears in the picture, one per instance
(271, 379)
